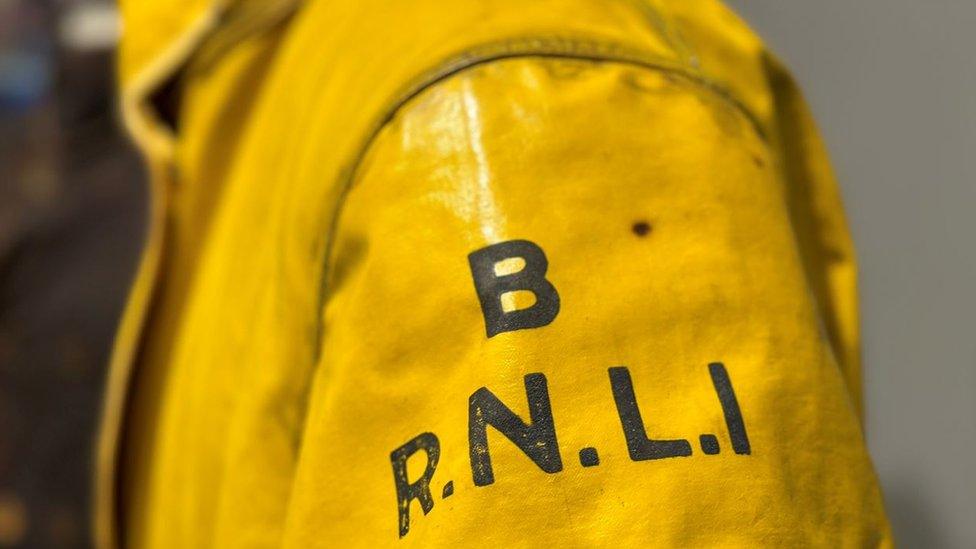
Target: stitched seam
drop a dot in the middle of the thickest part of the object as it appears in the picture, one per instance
(543, 47)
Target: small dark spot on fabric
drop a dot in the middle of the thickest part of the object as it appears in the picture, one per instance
(758, 160)
(641, 228)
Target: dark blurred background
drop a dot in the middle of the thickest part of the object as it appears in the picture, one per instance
(71, 224)
(893, 85)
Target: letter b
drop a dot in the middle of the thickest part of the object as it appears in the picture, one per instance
(491, 286)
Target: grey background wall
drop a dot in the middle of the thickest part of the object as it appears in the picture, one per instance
(893, 85)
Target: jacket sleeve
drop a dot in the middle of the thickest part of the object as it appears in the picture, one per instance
(565, 304)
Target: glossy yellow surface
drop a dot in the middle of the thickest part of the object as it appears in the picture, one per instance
(306, 305)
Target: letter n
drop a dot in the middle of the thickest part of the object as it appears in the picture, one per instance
(536, 439)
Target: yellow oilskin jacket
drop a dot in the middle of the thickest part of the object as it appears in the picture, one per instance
(502, 273)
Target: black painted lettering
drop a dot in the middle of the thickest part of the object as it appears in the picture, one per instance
(709, 444)
(536, 439)
(419, 489)
(490, 286)
(730, 407)
(639, 446)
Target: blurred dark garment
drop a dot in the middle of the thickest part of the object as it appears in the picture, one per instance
(71, 224)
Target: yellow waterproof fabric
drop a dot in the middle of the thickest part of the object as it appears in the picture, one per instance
(431, 273)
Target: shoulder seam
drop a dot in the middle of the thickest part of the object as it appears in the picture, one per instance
(557, 47)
